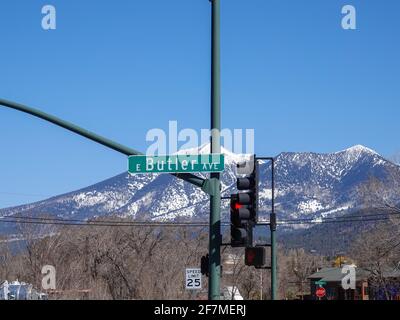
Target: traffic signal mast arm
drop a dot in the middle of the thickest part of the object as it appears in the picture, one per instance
(197, 181)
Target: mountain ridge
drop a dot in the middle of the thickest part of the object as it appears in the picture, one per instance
(308, 184)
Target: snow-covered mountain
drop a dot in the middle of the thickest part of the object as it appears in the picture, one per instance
(307, 184)
(319, 185)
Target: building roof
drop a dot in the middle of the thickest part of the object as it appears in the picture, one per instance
(335, 274)
(394, 273)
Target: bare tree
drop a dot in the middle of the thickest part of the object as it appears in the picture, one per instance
(300, 266)
(381, 195)
(5, 260)
(378, 251)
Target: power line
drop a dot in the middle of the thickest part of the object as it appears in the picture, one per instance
(83, 223)
(114, 223)
(24, 194)
(344, 217)
(334, 221)
(93, 224)
(76, 220)
(101, 223)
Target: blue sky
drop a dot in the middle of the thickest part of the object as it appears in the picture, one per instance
(120, 68)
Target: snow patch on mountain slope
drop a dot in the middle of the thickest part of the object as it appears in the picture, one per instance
(310, 206)
(230, 157)
(265, 194)
(357, 150)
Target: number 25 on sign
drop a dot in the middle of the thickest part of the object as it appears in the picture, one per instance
(193, 279)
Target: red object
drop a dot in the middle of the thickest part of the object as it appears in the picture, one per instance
(321, 292)
(250, 256)
(238, 206)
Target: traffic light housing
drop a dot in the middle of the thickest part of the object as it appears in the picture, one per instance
(239, 223)
(204, 265)
(255, 256)
(244, 205)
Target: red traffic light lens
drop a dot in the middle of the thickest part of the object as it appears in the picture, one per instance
(250, 255)
(255, 256)
(238, 206)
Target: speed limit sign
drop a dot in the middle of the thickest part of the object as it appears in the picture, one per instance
(193, 279)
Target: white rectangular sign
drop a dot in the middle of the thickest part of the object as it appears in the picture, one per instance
(193, 279)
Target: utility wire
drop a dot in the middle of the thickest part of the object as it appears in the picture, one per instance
(344, 217)
(103, 223)
(334, 221)
(24, 194)
(114, 223)
(83, 223)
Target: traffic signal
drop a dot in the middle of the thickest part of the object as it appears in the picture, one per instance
(249, 185)
(204, 265)
(244, 204)
(255, 256)
(239, 223)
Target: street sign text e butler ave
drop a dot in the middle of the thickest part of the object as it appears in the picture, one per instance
(176, 163)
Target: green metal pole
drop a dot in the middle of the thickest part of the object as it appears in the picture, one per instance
(273, 239)
(273, 266)
(197, 181)
(214, 292)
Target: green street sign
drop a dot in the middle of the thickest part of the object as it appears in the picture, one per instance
(176, 163)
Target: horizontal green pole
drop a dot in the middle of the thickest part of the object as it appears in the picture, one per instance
(197, 181)
(71, 127)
